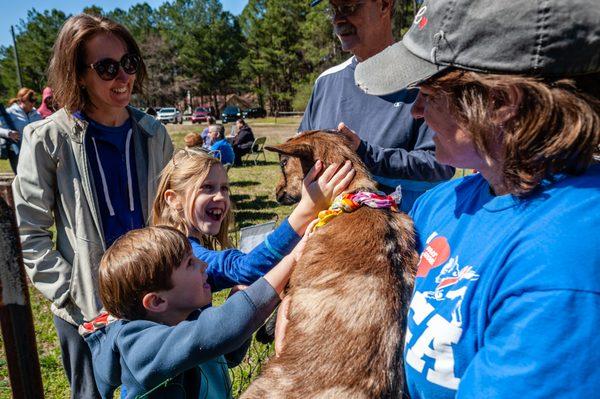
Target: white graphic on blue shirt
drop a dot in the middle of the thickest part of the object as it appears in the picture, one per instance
(448, 280)
(435, 323)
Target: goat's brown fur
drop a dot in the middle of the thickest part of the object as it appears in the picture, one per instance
(349, 292)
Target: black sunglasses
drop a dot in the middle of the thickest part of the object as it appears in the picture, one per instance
(343, 10)
(108, 69)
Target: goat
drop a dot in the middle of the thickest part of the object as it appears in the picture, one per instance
(349, 293)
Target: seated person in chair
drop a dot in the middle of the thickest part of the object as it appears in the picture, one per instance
(242, 143)
(221, 147)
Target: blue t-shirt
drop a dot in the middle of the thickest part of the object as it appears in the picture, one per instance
(507, 293)
(223, 151)
(397, 149)
(110, 153)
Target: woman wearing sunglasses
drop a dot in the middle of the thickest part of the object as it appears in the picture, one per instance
(91, 169)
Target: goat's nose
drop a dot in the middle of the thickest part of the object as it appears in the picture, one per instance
(280, 196)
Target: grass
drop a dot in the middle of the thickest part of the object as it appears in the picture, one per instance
(252, 190)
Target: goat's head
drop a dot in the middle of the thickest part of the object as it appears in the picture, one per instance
(299, 154)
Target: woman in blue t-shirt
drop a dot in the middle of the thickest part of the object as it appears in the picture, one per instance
(507, 292)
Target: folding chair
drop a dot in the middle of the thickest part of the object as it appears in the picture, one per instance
(258, 147)
(251, 236)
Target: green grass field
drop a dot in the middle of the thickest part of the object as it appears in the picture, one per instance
(252, 190)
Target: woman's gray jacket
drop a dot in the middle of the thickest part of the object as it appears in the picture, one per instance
(54, 186)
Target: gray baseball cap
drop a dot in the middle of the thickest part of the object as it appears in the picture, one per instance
(531, 37)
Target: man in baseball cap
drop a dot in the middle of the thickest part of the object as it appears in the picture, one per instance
(506, 301)
(397, 149)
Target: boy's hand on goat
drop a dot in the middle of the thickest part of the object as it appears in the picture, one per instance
(281, 324)
(299, 248)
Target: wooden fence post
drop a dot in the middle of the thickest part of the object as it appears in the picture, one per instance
(16, 319)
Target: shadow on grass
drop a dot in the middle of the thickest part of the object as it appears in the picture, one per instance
(260, 202)
(249, 218)
(244, 183)
(260, 162)
(238, 199)
(251, 210)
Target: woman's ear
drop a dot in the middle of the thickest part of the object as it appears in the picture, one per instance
(154, 302)
(174, 200)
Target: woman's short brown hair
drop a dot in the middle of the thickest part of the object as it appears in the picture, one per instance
(555, 128)
(193, 140)
(68, 65)
(139, 262)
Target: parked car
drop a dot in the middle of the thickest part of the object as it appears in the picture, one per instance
(200, 114)
(231, 114)
(169, 115)
(254, 113)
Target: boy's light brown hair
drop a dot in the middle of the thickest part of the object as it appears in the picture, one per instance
(139, 262)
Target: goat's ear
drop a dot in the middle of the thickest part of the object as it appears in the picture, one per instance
(292, 149)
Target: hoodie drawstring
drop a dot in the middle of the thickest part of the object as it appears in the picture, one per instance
(111, 210)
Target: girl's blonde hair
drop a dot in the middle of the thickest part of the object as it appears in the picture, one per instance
(185, 174)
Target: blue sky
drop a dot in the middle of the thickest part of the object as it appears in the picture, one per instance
(13, 10)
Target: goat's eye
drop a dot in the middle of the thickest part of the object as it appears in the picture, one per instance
(283, 162)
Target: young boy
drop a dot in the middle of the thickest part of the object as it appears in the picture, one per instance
(165, 327)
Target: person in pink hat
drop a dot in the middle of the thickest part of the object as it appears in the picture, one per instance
(47, 107)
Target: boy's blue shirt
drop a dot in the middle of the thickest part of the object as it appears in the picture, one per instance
(507, 293)
(225, 269)
(142, 354)
(231, 266)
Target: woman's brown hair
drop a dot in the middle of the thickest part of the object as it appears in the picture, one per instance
(555, 127)
(68, 62)
(22, 95)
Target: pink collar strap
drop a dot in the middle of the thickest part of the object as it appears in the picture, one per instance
(351, 202)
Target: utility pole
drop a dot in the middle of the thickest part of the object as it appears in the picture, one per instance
(18, 64)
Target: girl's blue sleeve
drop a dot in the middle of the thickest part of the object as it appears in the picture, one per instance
(231, 266)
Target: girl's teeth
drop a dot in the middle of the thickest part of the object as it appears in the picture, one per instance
(215, 212)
